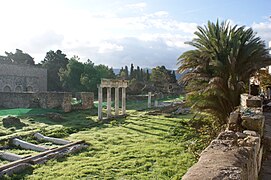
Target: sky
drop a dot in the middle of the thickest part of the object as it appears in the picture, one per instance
(116, 33)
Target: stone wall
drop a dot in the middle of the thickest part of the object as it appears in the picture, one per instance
(87, 100)
(22, 78)
(45, 100)
(236, 153)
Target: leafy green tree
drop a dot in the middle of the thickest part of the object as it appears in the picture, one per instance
(71, 75)
(92, 75)
(53, 61)
(90, 78)
(122, 75)
(223, 59)
(5, 59)
(105, 71)
(160, 75)
(19, 57)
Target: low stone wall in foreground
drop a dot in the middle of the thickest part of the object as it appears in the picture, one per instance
(236, 153)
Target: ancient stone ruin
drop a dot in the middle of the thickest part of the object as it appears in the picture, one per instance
(19, 163)
(109, 84)
(22, 78)
(25, 86)
(236, 153)
(45, 100)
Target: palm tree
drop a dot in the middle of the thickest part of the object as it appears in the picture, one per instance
(223, 59)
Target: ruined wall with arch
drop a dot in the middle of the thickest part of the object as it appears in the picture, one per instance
(22, 78)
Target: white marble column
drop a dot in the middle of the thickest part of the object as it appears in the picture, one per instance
(108, 102)
(116, 101)
(123, 108)
(100, 100)
(149, 100)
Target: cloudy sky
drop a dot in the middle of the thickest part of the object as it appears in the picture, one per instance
(147, 33)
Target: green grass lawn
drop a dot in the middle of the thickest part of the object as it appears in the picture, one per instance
(140, 146)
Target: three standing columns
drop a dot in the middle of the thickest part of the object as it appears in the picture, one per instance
(100, 100)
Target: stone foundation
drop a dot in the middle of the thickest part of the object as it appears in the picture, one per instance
(45, 100)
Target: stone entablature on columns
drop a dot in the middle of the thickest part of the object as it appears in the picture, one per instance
(108, 84)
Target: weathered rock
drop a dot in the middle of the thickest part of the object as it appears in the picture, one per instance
(12, 121)
(223, 159)
(234, 121)
(254, 102)
(250, 133)
(254, 122)
(230, 156)
(241, 135)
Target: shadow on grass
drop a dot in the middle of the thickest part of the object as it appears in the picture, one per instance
(149, 127)
(141, 131)
(162, 124)
(71, 122)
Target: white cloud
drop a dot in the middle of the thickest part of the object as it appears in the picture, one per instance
(103, 36)
(140, 6)
(107, 47)
(161, 14)
(171, 40)
(263, 30)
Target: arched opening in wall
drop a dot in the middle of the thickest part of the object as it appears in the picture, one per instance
(18, 89)
(29, 89)
(7, 89)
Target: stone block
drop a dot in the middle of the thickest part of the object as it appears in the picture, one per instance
(250, 133)
(241, 135)
(66, 104)
(234, 121)
(87, 100)
(254, 102)
(254, 123)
